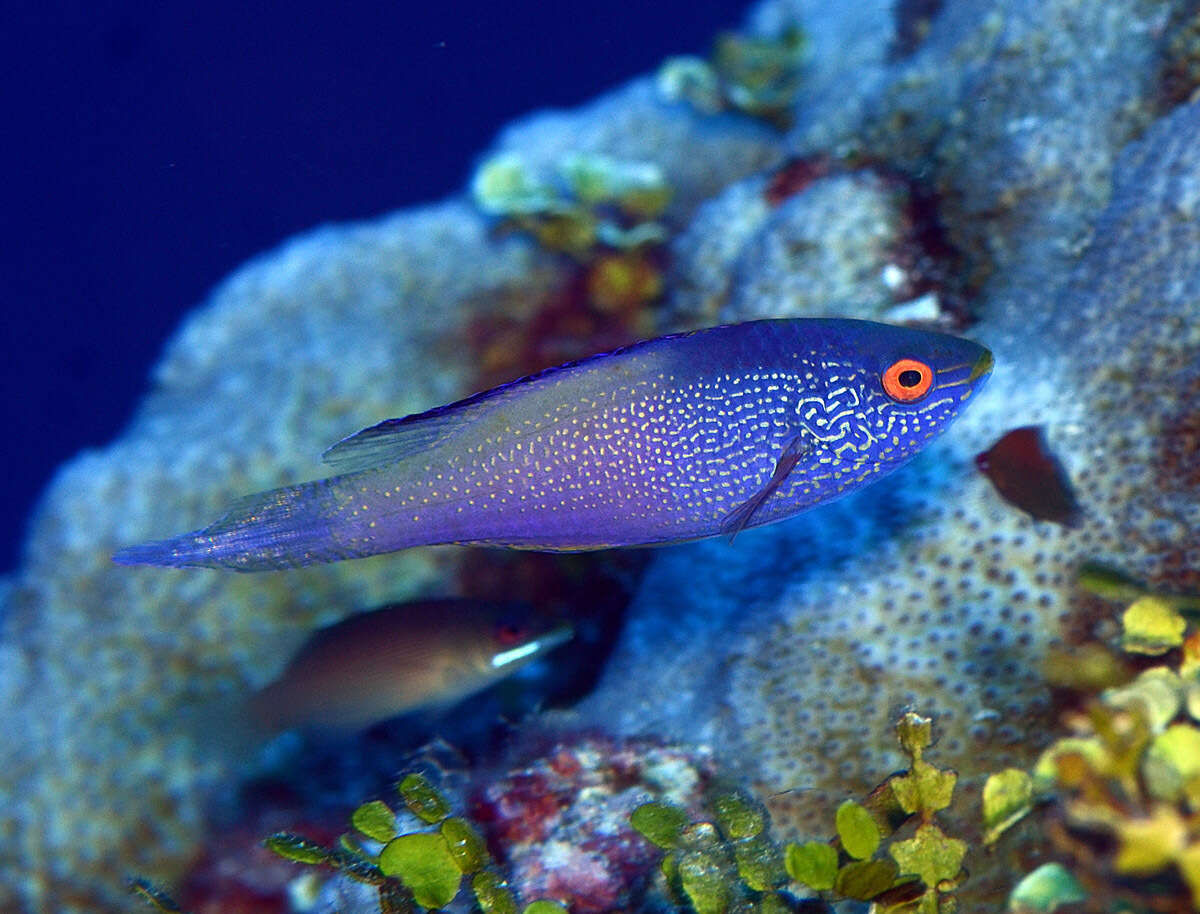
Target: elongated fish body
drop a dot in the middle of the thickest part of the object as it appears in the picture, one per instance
(673, 439)
(402, 658)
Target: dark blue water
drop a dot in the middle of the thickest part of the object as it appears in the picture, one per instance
(154, 147)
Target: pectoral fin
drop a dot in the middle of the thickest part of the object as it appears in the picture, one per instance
(741, 516)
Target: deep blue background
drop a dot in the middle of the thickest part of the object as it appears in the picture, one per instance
(154, 147)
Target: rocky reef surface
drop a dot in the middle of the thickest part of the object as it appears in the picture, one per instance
(1015, 164)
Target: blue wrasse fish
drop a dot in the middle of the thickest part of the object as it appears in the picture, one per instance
(671, 439)
(406, 657)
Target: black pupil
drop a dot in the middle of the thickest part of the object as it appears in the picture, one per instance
(910, 378)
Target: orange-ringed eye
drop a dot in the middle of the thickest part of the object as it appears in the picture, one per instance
(907, 380)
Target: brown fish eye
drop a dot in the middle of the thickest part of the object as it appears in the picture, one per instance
(906, 380)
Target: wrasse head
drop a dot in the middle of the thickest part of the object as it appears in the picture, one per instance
(878, 395)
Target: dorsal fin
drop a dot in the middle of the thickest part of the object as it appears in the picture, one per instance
(396, 439)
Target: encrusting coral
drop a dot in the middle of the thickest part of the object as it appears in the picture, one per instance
(1036, 131)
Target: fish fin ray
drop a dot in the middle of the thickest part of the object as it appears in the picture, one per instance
(396, 439)
(740, 517)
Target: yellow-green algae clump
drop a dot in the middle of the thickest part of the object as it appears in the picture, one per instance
(1119, 797)
(413, 871)
(731, 864)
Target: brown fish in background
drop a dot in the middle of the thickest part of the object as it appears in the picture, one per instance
(1027, 475)
(402, 658)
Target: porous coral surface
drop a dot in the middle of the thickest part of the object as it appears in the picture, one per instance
(115, 678)
(928, 591)
(122, 672)
(790, 650)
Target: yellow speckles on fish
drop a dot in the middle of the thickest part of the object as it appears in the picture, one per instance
(667, 440)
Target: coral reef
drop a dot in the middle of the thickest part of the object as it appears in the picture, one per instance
(561, 823)
(1118, 795)
(1030, 135)
(108, 671)
(554, 828)
(732, 864)
(931, 592)
(817, 237)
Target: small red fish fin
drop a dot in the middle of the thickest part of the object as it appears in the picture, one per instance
(1029, 476)
(741, 516)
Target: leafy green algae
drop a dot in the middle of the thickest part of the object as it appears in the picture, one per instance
(1045, 890)
(375, 820)
(813, 864)
(1122, 792)
(1007, 797)
(422, 862)
(732, 863)
(422, 800)
(659, 823)
(414, 871)
(491, 894)
(857, 830)
(465, 844)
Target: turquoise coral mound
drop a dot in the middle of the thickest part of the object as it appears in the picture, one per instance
(1074, 201)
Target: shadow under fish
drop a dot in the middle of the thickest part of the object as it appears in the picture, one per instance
(422, 656)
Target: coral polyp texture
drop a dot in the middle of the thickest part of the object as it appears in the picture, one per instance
(1036, 137)
(934, 593)
(110, 675)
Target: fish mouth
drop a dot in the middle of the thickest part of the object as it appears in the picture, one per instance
(982, 366)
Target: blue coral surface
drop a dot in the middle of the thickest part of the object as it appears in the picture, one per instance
(1064, 178)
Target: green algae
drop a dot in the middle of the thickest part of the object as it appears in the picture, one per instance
(863, 880)
(1007, 798)
(813, 864)
(738, 816)
(492, 896)
(586, 202)
(931, 856)
(422, 800)
(414, 871)
(923, 870)
(300, 850)
(1045, 890)
(423, 863)
(154, 896)
(375, 820)
(759, 863)
(659, 823)
(705, 879)
(1130, 773)
(465, 844)
(757, 76)
(544, 907)
(857, 830)
(1151, 625)
(733, 864)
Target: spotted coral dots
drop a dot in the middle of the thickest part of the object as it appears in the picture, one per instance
(907, 380)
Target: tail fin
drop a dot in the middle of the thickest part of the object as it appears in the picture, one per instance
(282, 528)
